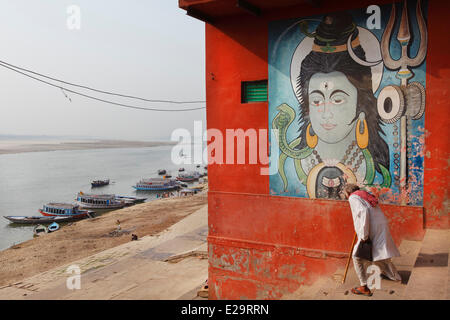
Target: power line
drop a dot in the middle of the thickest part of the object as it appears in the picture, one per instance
(97, 90)
(98, 99)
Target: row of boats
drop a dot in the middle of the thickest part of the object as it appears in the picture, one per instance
(166, 184)
(64, 212)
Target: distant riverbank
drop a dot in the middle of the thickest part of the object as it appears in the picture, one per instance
(21, 146)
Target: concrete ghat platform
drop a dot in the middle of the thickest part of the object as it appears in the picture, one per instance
(170, 265)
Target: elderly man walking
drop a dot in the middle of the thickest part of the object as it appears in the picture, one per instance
(370, 223)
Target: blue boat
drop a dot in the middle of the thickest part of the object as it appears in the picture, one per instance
(53, 227)
(64, 210)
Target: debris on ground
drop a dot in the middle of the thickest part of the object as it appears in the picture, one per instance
(119, 232)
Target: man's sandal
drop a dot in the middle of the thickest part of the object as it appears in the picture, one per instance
(357, 291)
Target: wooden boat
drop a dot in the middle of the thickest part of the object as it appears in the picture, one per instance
(99, 201)
(64, 210)
(189, 176)
(99, 183)
(156, 184)
(161, 172)
(42, 220)
(130, 200)
(40, 230)
(53, 227)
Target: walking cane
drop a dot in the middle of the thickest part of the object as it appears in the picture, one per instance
(349, 257)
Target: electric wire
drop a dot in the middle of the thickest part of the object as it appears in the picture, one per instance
(98, 99)
(97, 90)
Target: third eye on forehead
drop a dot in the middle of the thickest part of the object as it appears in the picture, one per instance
(328, 83)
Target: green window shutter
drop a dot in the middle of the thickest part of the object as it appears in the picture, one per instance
(254, 91)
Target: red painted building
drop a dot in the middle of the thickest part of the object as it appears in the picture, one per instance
(261, 245)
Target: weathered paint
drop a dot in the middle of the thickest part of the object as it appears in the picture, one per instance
(262, 246)
(436, 178)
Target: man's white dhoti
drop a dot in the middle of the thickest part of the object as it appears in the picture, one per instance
(370, 222)
(386, 266)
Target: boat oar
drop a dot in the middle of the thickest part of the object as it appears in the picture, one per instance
(349, 257)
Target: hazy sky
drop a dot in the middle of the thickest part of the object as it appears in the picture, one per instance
(148, 48)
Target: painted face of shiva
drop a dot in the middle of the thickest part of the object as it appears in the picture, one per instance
(332, 106)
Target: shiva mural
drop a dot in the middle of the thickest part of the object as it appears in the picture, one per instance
(347, 96)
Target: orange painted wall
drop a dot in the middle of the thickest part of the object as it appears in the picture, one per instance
(437, 128)
(263, 246)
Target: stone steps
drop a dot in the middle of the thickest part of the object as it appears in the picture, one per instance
(331, 287)
(430, 276)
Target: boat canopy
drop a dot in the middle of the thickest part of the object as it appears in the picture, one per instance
(59, 208)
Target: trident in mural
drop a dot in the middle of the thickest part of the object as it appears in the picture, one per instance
(407, 101)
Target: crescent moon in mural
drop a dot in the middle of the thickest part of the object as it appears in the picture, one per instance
(369, 43)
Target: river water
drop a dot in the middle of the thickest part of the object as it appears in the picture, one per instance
(29, 180)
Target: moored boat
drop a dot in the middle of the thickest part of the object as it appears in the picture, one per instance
(64, 210)
(41, 220)
(156, 184)
(181, 169)
(99, 201)
(40, 230)
(99, 183)
(161, 171)
(53, 227)
(188, 176)
(130, 200)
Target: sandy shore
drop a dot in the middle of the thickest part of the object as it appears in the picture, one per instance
(20, 146)
(90, 236)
